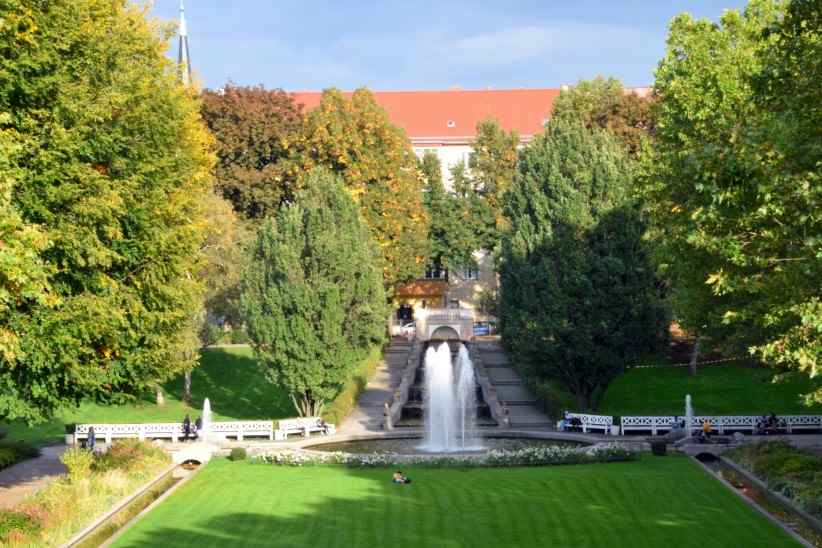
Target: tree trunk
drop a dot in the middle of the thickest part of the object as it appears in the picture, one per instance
(187, 387)
(158, 394)
(695, 355)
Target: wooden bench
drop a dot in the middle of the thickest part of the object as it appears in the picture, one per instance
(303, 426)
(590, 422)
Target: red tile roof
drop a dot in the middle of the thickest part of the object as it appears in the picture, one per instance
(451, 116)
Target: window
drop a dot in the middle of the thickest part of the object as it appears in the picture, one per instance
(453, 303)
(470, 274)
(436, 272)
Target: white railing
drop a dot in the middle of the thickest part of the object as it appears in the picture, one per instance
(227, 429)
(446, 314)
(173, 430)
(720, 423)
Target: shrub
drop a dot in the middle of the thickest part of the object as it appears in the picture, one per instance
(239, 336)
(237, 453)
(345, 401)
(79, 462)
(659, 448)
(16, 523)
(128, 453)
(794, 473)
(12, 452)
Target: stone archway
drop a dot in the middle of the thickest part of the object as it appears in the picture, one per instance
(444, 333)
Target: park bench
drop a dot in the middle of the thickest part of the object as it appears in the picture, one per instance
(303, 426)
(591, 422)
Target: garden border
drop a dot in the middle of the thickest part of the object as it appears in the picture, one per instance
(78, 537)
(814, 522)
(130, 523)
(793, 534)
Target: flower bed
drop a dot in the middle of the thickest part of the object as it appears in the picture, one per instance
(92, 486)
(534, 456)
(794, 473)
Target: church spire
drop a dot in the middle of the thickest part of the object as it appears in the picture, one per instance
(183, 58)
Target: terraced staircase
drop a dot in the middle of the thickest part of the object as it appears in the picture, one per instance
(524, 410)
(368, 415)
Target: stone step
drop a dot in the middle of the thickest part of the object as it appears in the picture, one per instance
(515, 393)
(499, 375)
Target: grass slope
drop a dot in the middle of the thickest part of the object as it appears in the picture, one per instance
(230, 377)
(722, 390)
(656, 502)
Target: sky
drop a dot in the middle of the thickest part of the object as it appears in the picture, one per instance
(411, 44)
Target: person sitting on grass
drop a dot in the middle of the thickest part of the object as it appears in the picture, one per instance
(399, 478)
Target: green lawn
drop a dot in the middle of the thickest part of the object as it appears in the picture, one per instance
(230, 377)
(659, 501)
(722, 389)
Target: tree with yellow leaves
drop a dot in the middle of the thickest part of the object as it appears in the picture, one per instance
(353, 138)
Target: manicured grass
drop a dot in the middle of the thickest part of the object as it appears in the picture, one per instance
(658, 501)
(230, 377)
(721, 389)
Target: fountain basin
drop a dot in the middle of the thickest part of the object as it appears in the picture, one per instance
(414, 445)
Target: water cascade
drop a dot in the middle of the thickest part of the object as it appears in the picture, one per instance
(466, 401)
(450, 401)
(205, 429)
(689, 415)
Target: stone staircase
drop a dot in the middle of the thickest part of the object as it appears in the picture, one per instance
(524, 410)
(368, 415)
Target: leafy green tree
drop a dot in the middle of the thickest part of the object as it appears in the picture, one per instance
(255, 130)
(354, 138)
(102, 193)
(604, 103)
(493, 166)
(312, 293)
(732, 183)
(450, 237)
(579, 295)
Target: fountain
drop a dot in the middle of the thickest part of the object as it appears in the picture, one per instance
(205, 429)
(466, 402)
(450, 401)
(689, 415)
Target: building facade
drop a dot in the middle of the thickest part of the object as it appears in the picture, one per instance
(445, 123)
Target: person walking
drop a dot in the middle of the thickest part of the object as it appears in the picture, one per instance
(91, 440)
(186, 428)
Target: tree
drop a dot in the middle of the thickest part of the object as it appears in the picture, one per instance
(354, 139)
(604, 103)
(451, 239)
(312, 293)
(102, 194)
(493, 165)
(732, 183)
(579, 295)
(255, 130)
